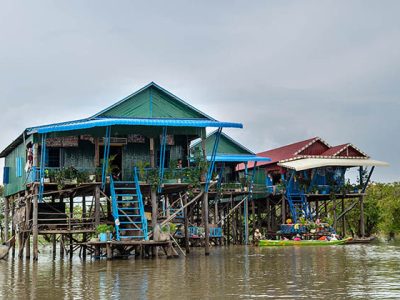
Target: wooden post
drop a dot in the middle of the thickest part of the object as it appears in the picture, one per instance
(186, 225)
(216, 210)
(334, 215)
(206, 230)
(246, 221)
(205, 200)
(71, 215)
(96, 152)
(27, 225)
(362, 224)
(97, 215)
(13, 224)
(61, 235)
(84, 236)
(35, 230)
(109, 251)
(343, 220)
(283, 209)
(6, 217)
(317, 209)
(54, 236)
(268, 215)
(154, 207)
(253, 215)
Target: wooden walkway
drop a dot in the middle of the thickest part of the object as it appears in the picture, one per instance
(144, 248)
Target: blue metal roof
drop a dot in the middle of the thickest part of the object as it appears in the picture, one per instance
(102, 122)
(238, 158)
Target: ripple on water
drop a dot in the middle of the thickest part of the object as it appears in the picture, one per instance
(353, 271)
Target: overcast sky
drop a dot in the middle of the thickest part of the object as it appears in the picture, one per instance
(288, 70)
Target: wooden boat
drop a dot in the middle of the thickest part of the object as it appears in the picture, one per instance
(362, 240)
(268, 243)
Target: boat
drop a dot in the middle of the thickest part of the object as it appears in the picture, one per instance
(362, 240)
(268, 243)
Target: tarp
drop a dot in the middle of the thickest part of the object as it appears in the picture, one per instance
(311, 163)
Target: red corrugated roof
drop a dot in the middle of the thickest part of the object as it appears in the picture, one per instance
(333, 150)
(281, 153)
(300, 149)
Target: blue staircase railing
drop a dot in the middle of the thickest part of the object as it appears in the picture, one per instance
(298, 204)
(128, 209)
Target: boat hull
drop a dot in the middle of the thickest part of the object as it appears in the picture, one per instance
(268, 243)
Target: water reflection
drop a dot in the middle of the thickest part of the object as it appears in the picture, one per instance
(354, 271)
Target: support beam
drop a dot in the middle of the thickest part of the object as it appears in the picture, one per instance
(283, 209)
(186, 223)
(154, 207)
(362, 222)
(97, 215)
(206, 229)
(27, 225)
(84, 236)
(35, 224)
(71, 216)
(6, 218)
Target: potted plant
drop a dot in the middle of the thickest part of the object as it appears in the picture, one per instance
(141, 166)
(104, 232)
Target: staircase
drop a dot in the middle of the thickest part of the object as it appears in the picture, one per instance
(299, 207)
(128, 209)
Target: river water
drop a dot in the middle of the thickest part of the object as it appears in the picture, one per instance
(236, 272)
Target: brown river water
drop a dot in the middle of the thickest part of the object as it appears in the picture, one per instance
(236, 272)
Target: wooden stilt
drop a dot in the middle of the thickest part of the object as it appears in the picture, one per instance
(206, 229)
(253, 215)
(35, 231)
(13, 224)
(27, 226)
(84, 236)
(154, 208)
(186, 224)
(334, 215)
(97, 215)
(71, 216)
(343, 219)
(61, 235)
(6, 218)
(362, 224)
(53, 236)
(283, 209)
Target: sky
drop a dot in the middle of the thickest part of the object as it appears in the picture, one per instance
(287, 70)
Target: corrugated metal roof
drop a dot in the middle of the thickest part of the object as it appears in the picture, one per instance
(146, 109)
(226, 145)
(311, 163)
(102, 122)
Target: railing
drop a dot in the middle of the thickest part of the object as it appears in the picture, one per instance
(195, 231)
(50, 174)
(62, 220)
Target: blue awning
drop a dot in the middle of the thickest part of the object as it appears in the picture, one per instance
(103, 122)
(239, 158)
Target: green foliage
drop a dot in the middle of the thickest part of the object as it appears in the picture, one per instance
(381, 210)
(103, 228)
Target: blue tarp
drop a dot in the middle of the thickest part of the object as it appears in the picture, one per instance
(102, 122)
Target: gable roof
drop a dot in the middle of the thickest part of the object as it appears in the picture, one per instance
(226, 145)
(152, 101)
(347, 150)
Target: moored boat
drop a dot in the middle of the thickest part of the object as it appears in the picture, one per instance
(303, 242)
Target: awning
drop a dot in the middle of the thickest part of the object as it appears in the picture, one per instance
(311, 163)
(238, 158)
(102, 122)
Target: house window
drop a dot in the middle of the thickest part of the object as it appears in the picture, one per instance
(53, 158)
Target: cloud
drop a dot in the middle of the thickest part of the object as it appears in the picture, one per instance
(288, 70)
